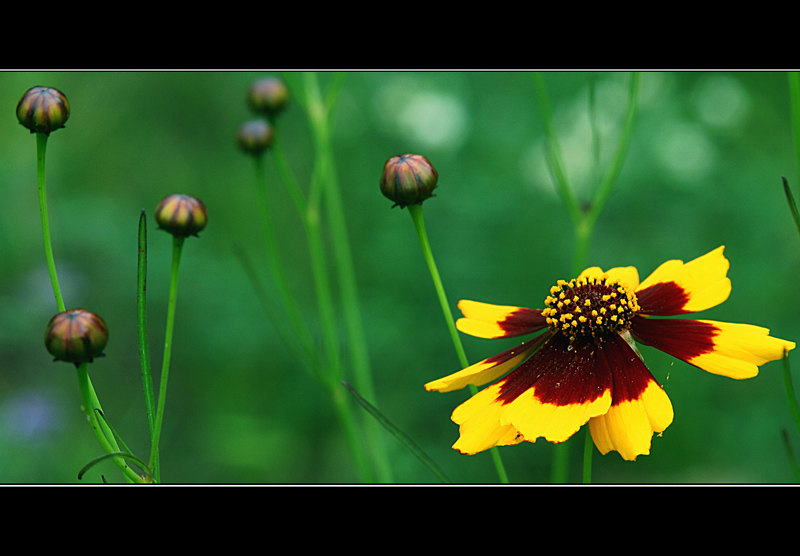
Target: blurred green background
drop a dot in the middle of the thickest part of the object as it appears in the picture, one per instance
(704, 170)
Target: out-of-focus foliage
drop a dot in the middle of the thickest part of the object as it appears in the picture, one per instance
(704, 170)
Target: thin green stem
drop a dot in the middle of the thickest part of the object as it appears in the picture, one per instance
(792, 204)
(108, 443)
(41, 150)
(555, 158)
(325, 194)
(88, 394)
(177, 246)
(274, 260)
(141, 321)
(794, 99)
(419, 225)
(787, 378)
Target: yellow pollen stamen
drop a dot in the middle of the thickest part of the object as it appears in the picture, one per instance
(569, 299)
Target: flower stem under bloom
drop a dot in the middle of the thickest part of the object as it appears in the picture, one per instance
(586, 368)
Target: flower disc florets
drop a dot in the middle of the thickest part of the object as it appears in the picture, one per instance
(589, 308)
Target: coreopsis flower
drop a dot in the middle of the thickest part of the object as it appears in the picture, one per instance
(586, 367)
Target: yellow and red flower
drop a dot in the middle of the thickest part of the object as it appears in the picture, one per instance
(586, 367)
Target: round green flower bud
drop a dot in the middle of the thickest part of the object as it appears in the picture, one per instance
(268, 96)
(76, 336)
(43, 109)
(255, 136)
(408, 179)
(181, 215)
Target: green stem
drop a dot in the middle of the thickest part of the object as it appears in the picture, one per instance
(419, 225)
(554, 150)
(41, 150)
(108, 443)
(325, 188)
(141, 314)
(177, 246)
(274, 261)
(794, 98)
(787, 379)
(88, 394)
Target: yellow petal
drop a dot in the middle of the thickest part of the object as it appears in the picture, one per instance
(627, 275)
(686, 288)
(628, 427)
(479, 423)
(484, 371)
(485, 320)
(556, 423)
(739, 349)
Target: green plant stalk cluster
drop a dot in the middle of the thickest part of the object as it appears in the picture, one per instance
(320, 211)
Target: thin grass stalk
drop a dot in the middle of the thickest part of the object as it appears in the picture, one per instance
(419, 224)
(276, 267)
(351, 312)
(177, 247)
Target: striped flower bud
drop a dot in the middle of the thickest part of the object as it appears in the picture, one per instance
(268, 96)
(43, 109)
(408, 179)
(181, 215)
(255, 137)
(76, 336)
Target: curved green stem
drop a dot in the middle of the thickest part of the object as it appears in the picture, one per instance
(108, 443)
(91, 403)
(177, 246)
(41, 150)
(419, 225)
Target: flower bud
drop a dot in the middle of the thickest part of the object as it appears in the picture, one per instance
(181, 215)
(43, 109)
(268, 96)
(255, 136)
(408, 179)
(76, 336)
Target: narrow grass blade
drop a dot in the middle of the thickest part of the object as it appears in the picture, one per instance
(402, 437)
